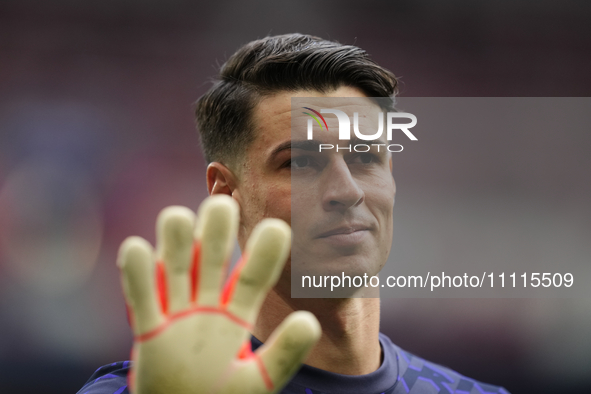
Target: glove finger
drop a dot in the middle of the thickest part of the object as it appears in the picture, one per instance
(278, 359)
(136, 261)
(174, 230)
(266, 253)
(216, 230)
(289, 345)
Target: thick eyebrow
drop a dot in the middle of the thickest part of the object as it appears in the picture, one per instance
(308, 145)
(356, 140)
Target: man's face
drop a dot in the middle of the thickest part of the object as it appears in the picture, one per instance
(339, 204)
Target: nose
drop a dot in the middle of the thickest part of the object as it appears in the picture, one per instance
(341, 190)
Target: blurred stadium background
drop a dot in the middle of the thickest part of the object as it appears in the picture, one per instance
(97, 135)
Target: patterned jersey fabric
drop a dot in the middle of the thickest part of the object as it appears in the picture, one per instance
(400, 373)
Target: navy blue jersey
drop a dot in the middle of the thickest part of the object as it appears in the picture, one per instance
(400, 373)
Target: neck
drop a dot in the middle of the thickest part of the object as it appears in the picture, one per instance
(349, 344)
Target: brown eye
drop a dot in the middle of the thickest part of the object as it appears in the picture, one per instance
(366, 159)
(300, 162)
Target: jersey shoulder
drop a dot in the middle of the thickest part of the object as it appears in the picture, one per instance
(108, 379)
(419, 376)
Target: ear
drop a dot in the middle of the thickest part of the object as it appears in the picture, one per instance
(220, 179)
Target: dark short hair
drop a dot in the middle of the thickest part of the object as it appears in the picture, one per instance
(288, 62)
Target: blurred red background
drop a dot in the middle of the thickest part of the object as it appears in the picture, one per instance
(97, 135)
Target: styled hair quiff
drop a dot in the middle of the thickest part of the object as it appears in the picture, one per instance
(289, 62)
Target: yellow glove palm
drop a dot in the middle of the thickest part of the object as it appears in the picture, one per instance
(189, 335)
